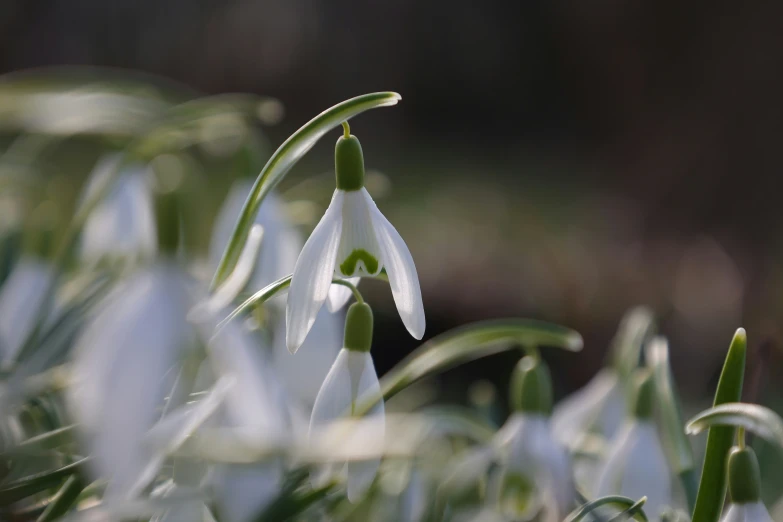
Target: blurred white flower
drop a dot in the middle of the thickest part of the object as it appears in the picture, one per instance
(121, 361)
(351, 379)
(636, 465)
(599, 407)
(21, 298)
(281, 241)
(353, 239)
(745, 488)
(303, 373)
(122, 225)
(749, 512)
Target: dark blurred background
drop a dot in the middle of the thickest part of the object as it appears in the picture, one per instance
(562, 160)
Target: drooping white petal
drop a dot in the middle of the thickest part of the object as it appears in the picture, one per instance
(303, 372)
(534, 453)
(282, 241)
(121, 360)
(403, 279)
(359, 252)
(21, 297)
(636, 466)
(339, 295)
(351, 378)
(313, 274)
(242, 491)
(598, 406)
(413, 501)
(123, 223)
(751, 512)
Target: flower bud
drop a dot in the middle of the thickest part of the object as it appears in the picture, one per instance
(358, 328)
(349, 163)
(531, 386)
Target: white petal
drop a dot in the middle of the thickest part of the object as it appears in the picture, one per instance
(413, 501)
(303, 373)
(123, 223)
(358, 235)
(339, 294)
(21, 297)
(401, 270)
(599, 405)
(636, 466)
(313, 274)
(121, 361)
(351, 378)
(534, 453)
(244, 490)
(753, 512)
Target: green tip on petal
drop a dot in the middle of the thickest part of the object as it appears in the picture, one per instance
(643, 401)
(744, 476)
(358, 328)
(531, 386)
(349, 163)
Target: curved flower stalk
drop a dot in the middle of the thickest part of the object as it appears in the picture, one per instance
(636, 466)
(353, 239)
(745, 488)
(351, 379)
(122, 226)
(536, 468)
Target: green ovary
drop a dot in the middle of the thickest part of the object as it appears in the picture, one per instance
(348, 267)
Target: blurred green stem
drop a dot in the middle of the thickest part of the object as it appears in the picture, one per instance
(64, 499)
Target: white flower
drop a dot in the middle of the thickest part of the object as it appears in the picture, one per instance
(121, 361)
(599, 406)
(353, 239)
(122, 225)
(533, 454)
(351, 377)
(749, 512)
(21, 298)
(303, 373)
(636, 466)
(281, 241)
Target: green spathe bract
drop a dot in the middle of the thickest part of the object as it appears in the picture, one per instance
(643, 403)
(712, 487)
(531, 386)
(752, 417)
(284, 158)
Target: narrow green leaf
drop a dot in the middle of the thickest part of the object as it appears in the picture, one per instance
(291, 151)
(30, 485)
(64, 500)
(45, 441)
(637, 325)
(712, 487)
(755, 418)
(677, 443)
(614, 501)
(471, 342)
(631, 511)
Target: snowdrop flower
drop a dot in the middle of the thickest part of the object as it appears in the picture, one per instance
(123, 224)
(745, 488)
(353, 239)
(303, 373)
(120, 361)
(281, 241)
(122, 358)
(351, 379)
(256, 410)
(636, 465)
(598, 407)
(534, 462)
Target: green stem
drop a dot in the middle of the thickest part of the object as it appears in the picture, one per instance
(346, 130)
(355, 291)
(712, 487)
(33, 484)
